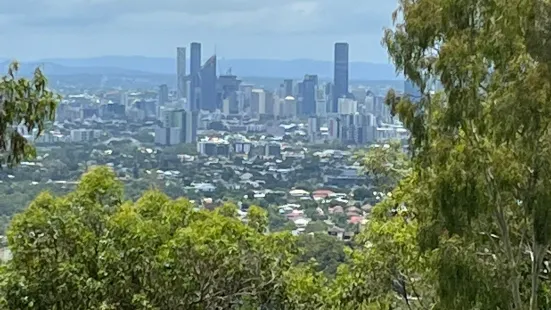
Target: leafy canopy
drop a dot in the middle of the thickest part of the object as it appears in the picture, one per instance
(26, 103)
(92, 250)
(481, 145)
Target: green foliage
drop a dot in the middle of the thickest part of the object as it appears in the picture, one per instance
(23, 102)
(316, 226)
(386, 165)
(481, 146)
(185, 148)
(277, 222)
(362, 193)
(326, 251)
(91, 250)
(257, 219)
(145, 136)
(386, 267)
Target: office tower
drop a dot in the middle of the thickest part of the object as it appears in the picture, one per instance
(195, 58)
(191, 124)
(300, 89)
(328, 89)
(288, 88)
(369, 102)
(246, 90)
(340, 73)
(178, 126)
(270, 103)
(207, 82)
(334, 128)
(258, 102)
(289, 107)
(163, 95)
(194, 69)
(172, 130)
(227, 87)
(226, 106)
(313, 128)
(347, 106)
(124, 100)
(359, 94)
(321, 102)
(181, 72)
(308, 95)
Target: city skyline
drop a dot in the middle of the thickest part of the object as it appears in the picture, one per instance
(238, 29)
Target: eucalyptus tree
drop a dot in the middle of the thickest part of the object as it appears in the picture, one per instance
(91, 249)
(481, 145)
(27, 103)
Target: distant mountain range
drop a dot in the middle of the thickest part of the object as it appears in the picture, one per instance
(139, 65)
(53, 68)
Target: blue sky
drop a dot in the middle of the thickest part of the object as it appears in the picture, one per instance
(280, 29)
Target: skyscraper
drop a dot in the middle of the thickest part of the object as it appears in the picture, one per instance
(178, 126)
(181, 72)
(194, 69)
(163, 94)
(227, 87)
(207, 82)
(340, 73)
(308, 95)
(258, 102)
(288, 87)
(190, 126)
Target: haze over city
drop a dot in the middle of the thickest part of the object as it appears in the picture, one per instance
(237, 28)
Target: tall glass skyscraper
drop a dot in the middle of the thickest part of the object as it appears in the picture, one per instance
(227, 87)
(308, 95)
(340, 74)
(163, 94)
(181, 72)
(288, 87)
(194, 69)
(208, 85)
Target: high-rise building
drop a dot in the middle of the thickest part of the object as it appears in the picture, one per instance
(207, 82)
(178, 126)
(313, 128)
(194, 69)
(258, 102)
(269, 109)
(227, 87)
(289, 107)
(246, 93)
(347, 106)
(191, 124)
(163, 95)
(181, 72)
(308, 95)
(340, 73)
(288, 87)
(334, 128)
(321, 102)
(124, 100)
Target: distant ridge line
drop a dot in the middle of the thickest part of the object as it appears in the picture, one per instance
(295, 68)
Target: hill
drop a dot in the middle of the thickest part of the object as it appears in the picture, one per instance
(241, 67)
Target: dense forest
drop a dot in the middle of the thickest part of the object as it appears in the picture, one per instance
(467, 224)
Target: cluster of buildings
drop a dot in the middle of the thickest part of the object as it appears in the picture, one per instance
(212, 147)
(331, 110)
(327, 110)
